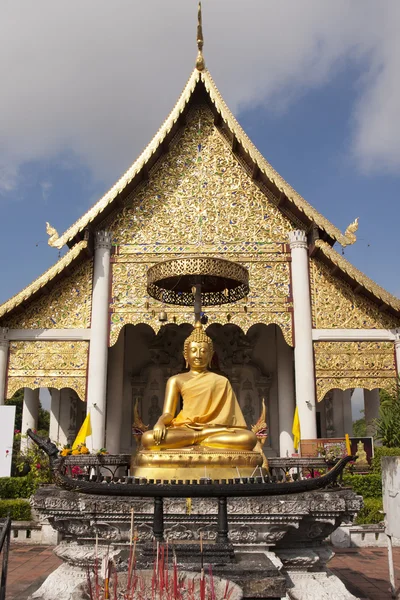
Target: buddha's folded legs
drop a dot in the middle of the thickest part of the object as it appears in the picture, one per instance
(232, 439)
(182, 437)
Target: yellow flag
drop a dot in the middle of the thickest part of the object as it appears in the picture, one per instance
(296, 429)
(83, 433)
(348, 447)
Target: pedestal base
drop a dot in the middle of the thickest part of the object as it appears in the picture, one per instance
(196, 463)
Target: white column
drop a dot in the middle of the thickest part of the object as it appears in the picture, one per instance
(397, 350)
(347, 414)
(115, 392)
(54, 415)
(303, 351)
(337, 405)
(30, 413)
(4, 344)
(97, 371)
(371, 407)
(286, 398)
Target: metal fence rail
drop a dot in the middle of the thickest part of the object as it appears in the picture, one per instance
(4, 550)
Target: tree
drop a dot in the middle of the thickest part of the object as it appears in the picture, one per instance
(360, 428)
(388, 423)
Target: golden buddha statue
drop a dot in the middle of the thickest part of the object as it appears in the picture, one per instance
(209, 434)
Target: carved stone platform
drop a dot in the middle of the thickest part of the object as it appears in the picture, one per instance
(289, 531)
(195, 463)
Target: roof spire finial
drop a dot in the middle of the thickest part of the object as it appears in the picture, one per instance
(200, 64)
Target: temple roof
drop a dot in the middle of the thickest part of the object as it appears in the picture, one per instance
(201, 81)
(356, 278)
(201, 89)
(50, 276)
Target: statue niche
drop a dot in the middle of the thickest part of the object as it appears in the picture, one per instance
(209, 435)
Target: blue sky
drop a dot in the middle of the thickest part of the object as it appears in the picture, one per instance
(316, 90)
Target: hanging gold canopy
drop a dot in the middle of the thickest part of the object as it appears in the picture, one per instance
(222, 281)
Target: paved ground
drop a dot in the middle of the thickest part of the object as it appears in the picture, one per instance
(364, 571)
(28, 567)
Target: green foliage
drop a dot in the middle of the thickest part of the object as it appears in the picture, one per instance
(371, 512)
(368, 486)
(359, 428)
(18, 510)
(388, 424)
(387, 398)
(379, 452)
(35, 462)
(17, 487)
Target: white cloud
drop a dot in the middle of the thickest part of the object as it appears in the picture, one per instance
(97, 77)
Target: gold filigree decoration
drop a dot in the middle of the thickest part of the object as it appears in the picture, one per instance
(350, 233)
(44, 279)
(137, 166)
(222, 281)
(364, 281)
(199, 197)
(268, 300)
(345, 365)
(53, 233)
(238, 133)
(67, 306)
(335, 305)
(48, 364)
(200, 201)
(264, 166)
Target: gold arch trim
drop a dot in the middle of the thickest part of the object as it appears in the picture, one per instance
(345, 365)
(51, 364)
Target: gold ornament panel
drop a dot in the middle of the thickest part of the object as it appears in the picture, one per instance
(35, 364)
(199, 194)
(335, 305)
(268, 300)
(345, 365)
(199, 200)
(66, 306)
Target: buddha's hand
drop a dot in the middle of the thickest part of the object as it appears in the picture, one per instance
(159, 431)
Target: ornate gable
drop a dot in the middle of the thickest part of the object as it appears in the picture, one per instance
(199, 198)
(336, 305)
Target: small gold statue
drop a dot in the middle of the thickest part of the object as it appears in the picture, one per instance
(361, 460)
(209, 436)
(211, 414)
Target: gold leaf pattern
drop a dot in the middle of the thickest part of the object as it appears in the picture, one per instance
(200, 200)
(68, 305)
(35, 364)
(335, 305)
(345, 365)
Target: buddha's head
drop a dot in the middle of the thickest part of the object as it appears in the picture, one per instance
(198, 349)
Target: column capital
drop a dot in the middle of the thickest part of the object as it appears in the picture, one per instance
(396, 337)
(102, 239)
(298, 239)
(4, 341)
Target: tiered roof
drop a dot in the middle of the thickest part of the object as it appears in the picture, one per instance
(201, 89)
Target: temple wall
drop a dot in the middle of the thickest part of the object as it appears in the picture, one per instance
(200, 199)
(52, 364)
(345, 365)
